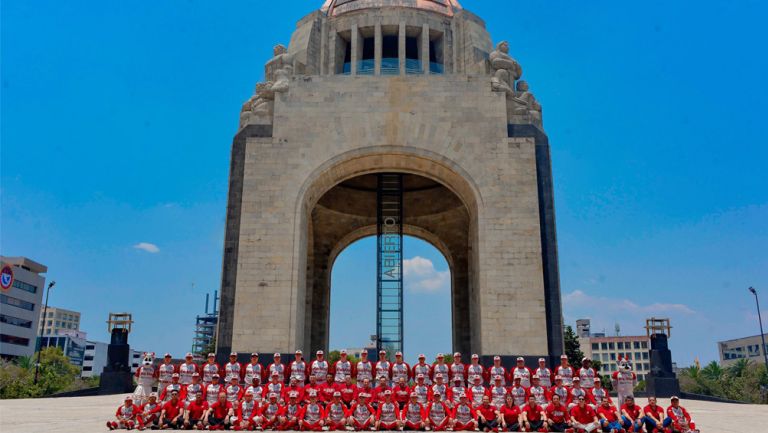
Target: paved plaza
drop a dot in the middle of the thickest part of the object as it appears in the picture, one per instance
(89, 414)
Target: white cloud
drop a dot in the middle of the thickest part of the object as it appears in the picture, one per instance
(580, 300)
(148, 247)
(420, 275)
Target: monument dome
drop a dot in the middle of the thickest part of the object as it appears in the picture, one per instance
(338, 7)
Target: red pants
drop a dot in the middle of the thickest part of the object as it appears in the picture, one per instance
(388, 425)
(266, 424)
(413, 426)
(441, 426)
(469, 426)
(290, 424)
(122, 424)
(311, 426)
(150, 420)
(335, 426)
(364, 426)
(239, 426)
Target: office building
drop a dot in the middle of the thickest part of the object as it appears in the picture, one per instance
(742, 348)
(94, 359)
(72, 343)
(608, 350)
(58, 320)
(21, 296)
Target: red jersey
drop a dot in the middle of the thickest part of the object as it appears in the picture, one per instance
(287, 390)
(634, 411)
(532, 413)
(347, 392)
(247, 409)
(378, 393)
(583, 415)
(368, 391)
(220, 410)
(209, 370)
(172, 409)
(326, 392)
(388, 412)
(401, 394)
(657, 412)
(413, 412)
(312, 413)
(510, 414)
(196, 410)
(126, 412)
(437, 411)
(609, 413)
(488, 412)
(558, 414)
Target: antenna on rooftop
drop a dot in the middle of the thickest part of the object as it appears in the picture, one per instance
(618, 329)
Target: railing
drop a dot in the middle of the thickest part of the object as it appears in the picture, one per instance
(391, 66)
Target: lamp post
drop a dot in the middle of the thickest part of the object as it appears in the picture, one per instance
(42, 326)
(760, 318)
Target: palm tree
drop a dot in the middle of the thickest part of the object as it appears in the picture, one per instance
(712, 371)
(739, 368)
(25, 362)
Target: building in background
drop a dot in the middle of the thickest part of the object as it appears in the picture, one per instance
(21, 295)
(205, 329)
(58, 320)
(136, 356)
(71, 342)
(608, 350)
(94, 358)
(741, 348)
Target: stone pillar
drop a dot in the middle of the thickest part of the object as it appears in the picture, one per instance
(355, 42)
(377, 46)
(401, 47)
(425, 48)
(324, 62)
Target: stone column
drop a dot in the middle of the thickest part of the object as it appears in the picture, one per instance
(425, 48)
(401, 47)
(355, 42)
(377, 46)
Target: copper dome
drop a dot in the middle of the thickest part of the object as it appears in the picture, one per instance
(338, 7)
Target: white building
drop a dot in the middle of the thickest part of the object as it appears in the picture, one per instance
(95, 358)
(742, 348)
(21, 295)
(58, 320)
(608, 350)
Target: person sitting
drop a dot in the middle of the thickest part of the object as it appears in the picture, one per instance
(534, 418)
(680, 419)
(172, 415)
(361, 413)
(609, 418)
(337, 413)
(632, 417)
(414, 415)
(583, 417)
(312, 415)
(510, 415)
(291, 411)
(655, 417)
(487, 415)
(388, 414)
(220, 413)
(557, 415)
(194, 416)
(125, 416)
(438, 413)
(149, 413)
(464, 415)
(246, 409)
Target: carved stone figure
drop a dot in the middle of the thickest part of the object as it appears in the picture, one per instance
(280, 60)
(505, 69)
(259, 109)
(525, 103)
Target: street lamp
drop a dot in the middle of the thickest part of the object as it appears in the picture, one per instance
(42, 326)
(760, 318)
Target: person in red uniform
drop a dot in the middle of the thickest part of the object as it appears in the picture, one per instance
(343, 368)
(378, 392)
(313, 385)
(565, 371)
(421, 389)
(361, 414)
(191, 391)
(327, 389)
(534, 417)
(487, 416)
(299, 368)
(337, 413)
(364, 388)
(464, 415)
(149, 413)
(347, 390)
(234, 391)
(457, 389)
(518, 391)
(401, 393)
(560, 390)
(457, 368)
(413, 415)
(381, 369)
(476, 392)
(523, 372)
(213, 389)
(172, 414)
(271, 412)
(576, 392)
(544, 373)
(655, 418)
(598, 393)
(388, 414)
(538, 391)
(558, 417)
(165, 394)
(399, 369)
(293, 386)
(209, 369)
(498, 370)
(363, 369)
(194, 416)
(165, 372)
(233, 369)
(125, 416)
(438, 413)
(187, 369)
(277, 367)
(609, 417)
(440, 367)
(475, 369)
(256, 389)
(632, 416)
(587, 374)
(312, 415)
(246, 410)
(583, 417)
(254, 369)
(443, 389)
(275, 386)
(422, 368)
(291, 412)
(679, 418)
(220, 413)
(498, 392)
(510, 415)
(319, 367)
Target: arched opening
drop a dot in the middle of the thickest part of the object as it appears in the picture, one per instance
(427, 290)
(346, 213)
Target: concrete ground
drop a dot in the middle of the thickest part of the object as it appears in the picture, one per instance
(89, 414)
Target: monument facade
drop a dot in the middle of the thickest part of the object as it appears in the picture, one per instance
(414, 87)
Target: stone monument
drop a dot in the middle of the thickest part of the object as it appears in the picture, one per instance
(414, 87)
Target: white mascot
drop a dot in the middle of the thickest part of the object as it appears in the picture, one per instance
(146, 377)
(624, 380)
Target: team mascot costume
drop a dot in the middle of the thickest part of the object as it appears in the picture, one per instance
(146, 376)
(624, 380)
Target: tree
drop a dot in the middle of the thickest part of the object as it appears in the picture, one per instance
(56, 375)
(572, 347)
(335, 355)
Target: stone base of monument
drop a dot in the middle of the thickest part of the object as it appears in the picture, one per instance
(116, 382)
(662, 386)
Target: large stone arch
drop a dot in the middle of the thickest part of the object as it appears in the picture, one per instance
(327, 227)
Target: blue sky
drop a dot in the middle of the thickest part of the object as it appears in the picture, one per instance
(116, 120)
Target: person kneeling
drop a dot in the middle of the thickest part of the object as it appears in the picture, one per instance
(311, 417)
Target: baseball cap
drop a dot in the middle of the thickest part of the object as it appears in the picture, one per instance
(319, 352)
(597, 379)
(456, 355)
(419, 376)
(387, 392)
(276, 355)
(535, 376)
(249, 392)
(585, 359)
(542, 360)
(293, 394)
(577, 379)
(188, 355)
(175, 375)
(475, 356)
(128, 397)
(462, 395)
(563, 356)
(436, 393)
(497, 358)
(233, 354)
(211, 355)
(154, 394)
(399, 354)
(421, 355)
(382, 351)
(343, 352)
(216, 376)
(457, 379)
(413, 394)
(195, 374)
(497, 377)
(167, 355)
(298, 352)
(520, 358)
(558, 377)
(337, 394)
(674, 397)
(272, 395)
(254, 355)
(440, 375)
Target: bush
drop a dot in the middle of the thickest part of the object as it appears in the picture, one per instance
(56, 375)
(741, 382)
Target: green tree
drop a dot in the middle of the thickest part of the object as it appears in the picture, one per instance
(56, 375)
(572, 347)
